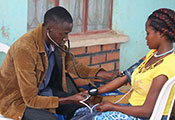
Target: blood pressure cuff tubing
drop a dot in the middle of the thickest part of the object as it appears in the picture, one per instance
(130, 70)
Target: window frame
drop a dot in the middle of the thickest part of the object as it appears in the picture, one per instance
(85, 19)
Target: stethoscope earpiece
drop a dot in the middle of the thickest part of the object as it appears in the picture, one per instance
(66, 51)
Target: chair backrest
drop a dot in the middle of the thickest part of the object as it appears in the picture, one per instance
(3, 118)
(3, 51)
(3, 48)
(162, 100)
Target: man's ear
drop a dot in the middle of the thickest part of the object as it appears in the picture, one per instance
(49, 29)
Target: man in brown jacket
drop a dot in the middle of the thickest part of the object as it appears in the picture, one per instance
(33, 81)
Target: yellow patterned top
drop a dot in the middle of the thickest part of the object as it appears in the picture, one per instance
(142, 77)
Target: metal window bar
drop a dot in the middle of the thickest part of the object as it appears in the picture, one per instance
(35, 15)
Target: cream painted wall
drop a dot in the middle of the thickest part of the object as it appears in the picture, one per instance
(129, 17)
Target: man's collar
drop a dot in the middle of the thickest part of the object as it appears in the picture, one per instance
(50, 48)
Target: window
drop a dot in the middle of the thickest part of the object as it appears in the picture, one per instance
(36, 10)
(89, 15)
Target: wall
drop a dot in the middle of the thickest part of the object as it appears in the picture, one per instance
(105, 56)
(13, 21)
(129, 17)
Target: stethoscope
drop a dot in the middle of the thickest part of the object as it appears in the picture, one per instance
(68, 51)
(94, 90)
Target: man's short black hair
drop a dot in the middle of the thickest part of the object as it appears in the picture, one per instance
(57, 15)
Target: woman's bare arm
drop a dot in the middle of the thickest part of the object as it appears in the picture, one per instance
(112, 85)
(139, 111)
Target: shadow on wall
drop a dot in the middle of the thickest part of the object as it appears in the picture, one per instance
(3, 51)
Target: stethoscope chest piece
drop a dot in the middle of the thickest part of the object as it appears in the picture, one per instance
(93, 92)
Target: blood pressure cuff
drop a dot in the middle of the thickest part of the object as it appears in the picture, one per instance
(130, 70)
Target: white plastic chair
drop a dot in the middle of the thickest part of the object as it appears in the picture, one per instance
(3, 48)
(162, 100)
(3, 118)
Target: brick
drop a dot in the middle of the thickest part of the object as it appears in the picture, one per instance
(118, 46)
(109, 47)
(117, 65)
(78, 51)
(98, 59)
(108, 66)
(94, 49)
(85, 60)
(112, 56)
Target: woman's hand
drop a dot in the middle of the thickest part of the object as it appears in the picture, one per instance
(106, 106)
(94, 100)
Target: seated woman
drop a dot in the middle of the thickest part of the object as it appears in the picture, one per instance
(147, 79)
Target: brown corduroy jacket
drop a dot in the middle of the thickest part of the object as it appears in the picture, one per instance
(22, 73)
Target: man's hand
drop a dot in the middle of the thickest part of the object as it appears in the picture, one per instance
(74, 98)
(79, 96)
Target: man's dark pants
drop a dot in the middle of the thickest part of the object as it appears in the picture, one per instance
(41, 114)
